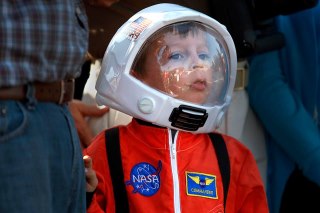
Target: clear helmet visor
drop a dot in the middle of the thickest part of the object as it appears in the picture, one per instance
(188, 61)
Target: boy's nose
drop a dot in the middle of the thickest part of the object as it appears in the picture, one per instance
(195, 62)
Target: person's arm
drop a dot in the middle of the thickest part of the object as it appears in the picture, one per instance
(251, 196)
(80, 111)
(283, 114)
(246, 192)
(102, 198)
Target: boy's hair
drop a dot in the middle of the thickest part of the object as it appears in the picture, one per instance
(182, 28)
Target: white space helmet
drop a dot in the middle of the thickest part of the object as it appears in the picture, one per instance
(171, 66)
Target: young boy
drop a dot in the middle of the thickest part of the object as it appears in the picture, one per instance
(173, 70)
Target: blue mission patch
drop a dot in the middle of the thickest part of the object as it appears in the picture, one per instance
(145, 178)
(202, 185)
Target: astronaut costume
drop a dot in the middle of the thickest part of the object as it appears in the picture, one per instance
(173, 70)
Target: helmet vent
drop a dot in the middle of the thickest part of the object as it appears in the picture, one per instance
(188, 118)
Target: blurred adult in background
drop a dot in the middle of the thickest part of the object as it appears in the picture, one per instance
(284, 91)
(43, 44)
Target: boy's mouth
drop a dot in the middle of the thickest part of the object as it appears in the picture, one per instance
(199, 85)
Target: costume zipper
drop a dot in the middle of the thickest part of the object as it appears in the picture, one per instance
(174, 170)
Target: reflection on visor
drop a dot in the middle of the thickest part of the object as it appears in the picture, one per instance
(185, 61)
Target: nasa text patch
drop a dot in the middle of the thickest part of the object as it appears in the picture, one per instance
(145, 178)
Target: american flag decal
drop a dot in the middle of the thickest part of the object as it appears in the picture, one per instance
(137, 27)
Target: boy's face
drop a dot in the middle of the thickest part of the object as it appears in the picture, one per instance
(182, 66)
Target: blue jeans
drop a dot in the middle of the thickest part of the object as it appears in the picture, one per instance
(41, 167)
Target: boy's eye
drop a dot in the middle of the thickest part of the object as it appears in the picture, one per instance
(176, 56)
(204, 56)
